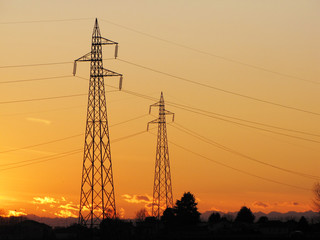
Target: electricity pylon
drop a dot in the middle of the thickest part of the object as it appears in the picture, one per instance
(97, 200)
(162, 188)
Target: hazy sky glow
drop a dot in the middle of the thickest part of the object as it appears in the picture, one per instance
(267, 50)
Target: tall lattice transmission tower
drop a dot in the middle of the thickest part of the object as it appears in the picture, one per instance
(97, 200)
(162, 188)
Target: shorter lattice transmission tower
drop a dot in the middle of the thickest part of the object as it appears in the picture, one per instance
(162, 188)
(97, 198)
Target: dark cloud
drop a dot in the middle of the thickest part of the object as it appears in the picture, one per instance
(142, 198)
(260, 204)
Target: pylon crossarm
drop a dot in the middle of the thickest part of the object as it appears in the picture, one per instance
(105, 41)
(152, 122)
(169, 113)
(109, 73)
(153, 105)
(84, 58)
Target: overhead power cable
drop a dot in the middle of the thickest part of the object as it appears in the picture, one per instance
(42, 64)
(41, 144)
(236, 169)
(211, 54)
(250, 126)
(220, 89)
(66, 138)
(220, 146)
(239, 170)
(177, 105)
(47, 21)
(38, 160)
(34, 79)
(34, 65)
(42, 99)
(203, 113)
(60, 155)
(44, 111)
(49, 98)
(170, 42)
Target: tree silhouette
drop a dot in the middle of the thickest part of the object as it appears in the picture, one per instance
(263, 219)
(142, 214)
(245, 215)
(214, 217)
(169, 216)
(316, 199)
(186, 210)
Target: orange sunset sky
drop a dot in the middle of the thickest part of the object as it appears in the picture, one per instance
(259, 116)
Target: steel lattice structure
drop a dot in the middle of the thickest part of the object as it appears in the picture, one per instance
(97, 198)
(162, 188)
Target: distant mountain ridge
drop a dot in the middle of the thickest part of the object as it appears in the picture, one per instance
(309, 215)
(54, 222)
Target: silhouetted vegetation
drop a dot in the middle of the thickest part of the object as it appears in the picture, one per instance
(214, 218)
(186, 210)
(245, 215)
(316, 199)
(142, 214)
(180, 222)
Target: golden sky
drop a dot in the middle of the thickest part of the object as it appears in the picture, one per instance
(267, 50)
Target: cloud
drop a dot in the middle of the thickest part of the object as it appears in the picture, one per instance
(14, 213)
(59, 206)
(215, 209)
(65, 214)
(137, 198)
(45, 200)
(38, 120)
(70, 206)
(142, 198)
(259, 204)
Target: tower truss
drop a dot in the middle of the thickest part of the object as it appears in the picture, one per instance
(97, 198)
(162, 188)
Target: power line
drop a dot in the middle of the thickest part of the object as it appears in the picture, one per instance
(218, 145)
(48, 98)
(170, 42)
(44, 111)
(56, 156)
(129, 136)
(239, 170)
(41, 144)
(201, 112)
(240, 119)
(249, 126)
(236, 169)
(181, 105)
(47, 21)
(220, 89)
(66, 138)
(34, 65)
(205, 113)
(211, 54)
(42, 64)
(34, 79)
(39, 159)
(129, 120)
(42, 99)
